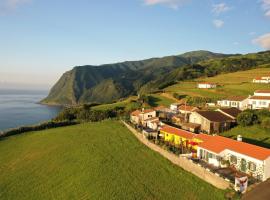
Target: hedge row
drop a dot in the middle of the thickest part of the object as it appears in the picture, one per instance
(42, 126)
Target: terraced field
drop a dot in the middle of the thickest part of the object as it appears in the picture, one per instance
(231, 84)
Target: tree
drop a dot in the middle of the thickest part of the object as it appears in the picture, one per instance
(247, 118)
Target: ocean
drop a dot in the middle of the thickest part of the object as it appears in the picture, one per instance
(18, 108)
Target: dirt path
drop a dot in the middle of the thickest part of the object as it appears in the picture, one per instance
(183, 162)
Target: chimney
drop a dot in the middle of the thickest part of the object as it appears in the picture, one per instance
(239, 138)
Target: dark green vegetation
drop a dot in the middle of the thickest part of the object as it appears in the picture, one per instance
(92, 161)
(254, 126)
(108, 83)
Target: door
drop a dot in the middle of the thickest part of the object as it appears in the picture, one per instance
(243, 165)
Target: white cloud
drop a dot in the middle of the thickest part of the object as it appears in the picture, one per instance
(266, 7)
(220, 8)
(174, 4)
(263, 41)
(218, 23)
(10, 5)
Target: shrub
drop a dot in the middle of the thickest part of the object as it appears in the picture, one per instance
(247, 118)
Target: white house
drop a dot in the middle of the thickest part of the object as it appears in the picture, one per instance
(175, 106)
(259, 102)
(264, 93)
(153, 123)
(250, 159)
(206, 85)
(264, 79)
(139, 117)
(234, 101)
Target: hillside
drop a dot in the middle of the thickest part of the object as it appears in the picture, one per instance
(230, 84)
(109, 83)
(92, 161)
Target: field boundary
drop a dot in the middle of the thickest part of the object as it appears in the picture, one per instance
(182, 162)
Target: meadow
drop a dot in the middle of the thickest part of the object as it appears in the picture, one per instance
(251, 134)
(230, 84)
(92, 161)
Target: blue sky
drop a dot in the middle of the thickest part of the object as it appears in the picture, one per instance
(39, 40)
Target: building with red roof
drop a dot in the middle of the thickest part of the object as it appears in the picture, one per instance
(247, 158)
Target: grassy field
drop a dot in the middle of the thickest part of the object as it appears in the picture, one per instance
(231, 84)
(92, 161)
(252, 134)
(123, 103)
(158, 100)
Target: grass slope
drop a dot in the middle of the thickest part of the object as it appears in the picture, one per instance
(237, 83)
(251, 134)
(92, 161)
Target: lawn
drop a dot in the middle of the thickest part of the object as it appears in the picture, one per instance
(251, 134)
(231, 84)
(92, 161)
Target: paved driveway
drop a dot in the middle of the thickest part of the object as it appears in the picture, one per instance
(260, 192)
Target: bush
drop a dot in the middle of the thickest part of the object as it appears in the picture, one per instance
(247, 118)
(266, 123)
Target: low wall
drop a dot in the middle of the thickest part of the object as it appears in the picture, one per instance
(184, 163)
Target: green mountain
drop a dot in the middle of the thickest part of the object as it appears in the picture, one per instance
(108, 83)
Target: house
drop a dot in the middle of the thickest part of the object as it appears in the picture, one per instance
(234, 101)
(185, 109)
(139, 117)
(259, 102)
(250, 159)
(182, 137)
(230, 112)
(206, 85)
(263, 93)
(152, 123)
(175, 106)
(264, 79)
(163, 112)
(211, 121)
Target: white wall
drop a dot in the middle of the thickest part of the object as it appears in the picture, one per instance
(262, 94)
(258, 104)
(267, 168)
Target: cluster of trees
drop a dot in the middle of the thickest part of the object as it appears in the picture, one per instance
(87, 113)
(253, 117)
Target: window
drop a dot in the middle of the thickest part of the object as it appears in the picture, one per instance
(233, 159)
(252, 166)
(254, 102)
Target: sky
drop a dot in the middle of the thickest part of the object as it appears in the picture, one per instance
(41, 39)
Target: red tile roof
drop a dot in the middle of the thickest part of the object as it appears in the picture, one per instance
(185, 134)
(148, 111)
(260, 97)
(136, 113)
(236, 98)
(217, 144)
(177, 131)
(262, 91)
(187, 108)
